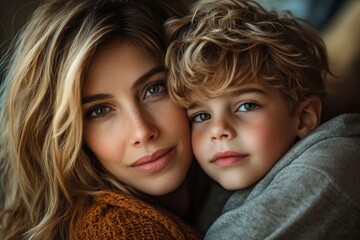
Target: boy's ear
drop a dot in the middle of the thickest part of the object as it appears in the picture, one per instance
(309, 112)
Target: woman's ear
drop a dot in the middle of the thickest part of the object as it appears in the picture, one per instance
(309, 112)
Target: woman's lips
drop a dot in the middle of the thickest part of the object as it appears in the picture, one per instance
(227, 159)
(154, 162)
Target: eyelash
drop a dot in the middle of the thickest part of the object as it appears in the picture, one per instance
(192, 117)
(253, 104)
(208, 115)
(89, 113)
(159, 83)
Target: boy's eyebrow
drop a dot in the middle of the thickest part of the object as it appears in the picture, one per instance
(192, 105)
(248, 90)
(196, 104)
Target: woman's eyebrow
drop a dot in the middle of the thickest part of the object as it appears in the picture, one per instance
(137, 82)
(147, 75)
(95, 97)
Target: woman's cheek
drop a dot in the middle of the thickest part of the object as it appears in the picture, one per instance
(105, 139)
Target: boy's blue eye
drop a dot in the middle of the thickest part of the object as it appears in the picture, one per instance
(200, 117)
(155, 89)
(248, 106)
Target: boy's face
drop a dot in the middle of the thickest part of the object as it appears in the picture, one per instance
(238, 137)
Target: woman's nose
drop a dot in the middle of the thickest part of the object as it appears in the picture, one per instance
(142, 128)
(221, 130)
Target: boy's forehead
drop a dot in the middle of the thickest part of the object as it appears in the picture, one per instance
(200, 98)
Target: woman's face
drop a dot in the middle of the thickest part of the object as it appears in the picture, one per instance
(130, 124)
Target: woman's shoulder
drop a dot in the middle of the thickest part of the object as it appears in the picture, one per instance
(115, 215)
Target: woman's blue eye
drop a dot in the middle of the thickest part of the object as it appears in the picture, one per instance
(201, 117)
(155, 89)
(246, 107)
(97, 112)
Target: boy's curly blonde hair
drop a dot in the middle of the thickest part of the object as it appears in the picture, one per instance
(226, 43)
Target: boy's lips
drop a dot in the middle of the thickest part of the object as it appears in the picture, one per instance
(155, 161)
(228, 158)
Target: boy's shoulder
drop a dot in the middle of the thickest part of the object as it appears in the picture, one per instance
(330, 152)
(317, 181)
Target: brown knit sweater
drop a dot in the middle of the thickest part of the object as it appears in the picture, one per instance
(121, 216)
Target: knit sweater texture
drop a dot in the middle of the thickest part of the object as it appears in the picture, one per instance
(122, 216)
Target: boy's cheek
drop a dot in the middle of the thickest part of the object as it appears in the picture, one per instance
(200, 145)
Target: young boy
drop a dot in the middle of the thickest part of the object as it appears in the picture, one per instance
(252, 84)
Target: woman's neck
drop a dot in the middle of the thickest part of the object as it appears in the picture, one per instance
(177, 201)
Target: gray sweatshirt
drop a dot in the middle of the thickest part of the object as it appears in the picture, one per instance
(312, 192)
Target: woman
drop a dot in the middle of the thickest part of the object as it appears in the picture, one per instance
(87, 125)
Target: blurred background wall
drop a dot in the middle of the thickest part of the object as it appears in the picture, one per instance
(14, 13)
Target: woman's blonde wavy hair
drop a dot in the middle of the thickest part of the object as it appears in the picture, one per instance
(225, 43)
(47, 175)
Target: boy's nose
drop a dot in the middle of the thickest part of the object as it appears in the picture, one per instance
(221, 130)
